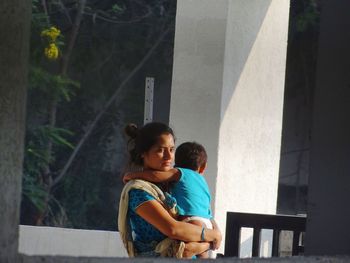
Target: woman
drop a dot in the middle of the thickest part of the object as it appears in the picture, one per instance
(151, 223)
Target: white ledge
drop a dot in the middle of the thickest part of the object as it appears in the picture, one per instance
(34, 240)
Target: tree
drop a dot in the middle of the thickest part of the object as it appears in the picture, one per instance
(72, 162)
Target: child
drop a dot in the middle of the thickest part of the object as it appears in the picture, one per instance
(189, 187)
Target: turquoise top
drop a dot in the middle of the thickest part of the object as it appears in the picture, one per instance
(192, 197)
(192, 194)
(145, 235)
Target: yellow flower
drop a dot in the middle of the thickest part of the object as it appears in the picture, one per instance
(51, 52)
(52, 33)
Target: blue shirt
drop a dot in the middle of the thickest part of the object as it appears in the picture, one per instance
(145, 235)
(192, 194)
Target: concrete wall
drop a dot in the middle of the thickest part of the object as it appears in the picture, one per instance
(227, 93)
(69, 242)
(328, 229)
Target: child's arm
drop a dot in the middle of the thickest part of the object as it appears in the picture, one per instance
(154, 176)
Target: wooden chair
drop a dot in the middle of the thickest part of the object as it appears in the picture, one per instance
(235, 221)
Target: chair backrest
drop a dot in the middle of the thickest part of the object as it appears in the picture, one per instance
(235, 221)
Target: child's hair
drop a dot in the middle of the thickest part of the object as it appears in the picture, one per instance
(142, 139)
(190, 155)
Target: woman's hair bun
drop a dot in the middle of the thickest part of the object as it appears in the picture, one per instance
(131, 130)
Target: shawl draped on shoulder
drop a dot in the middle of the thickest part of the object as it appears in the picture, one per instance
(167, 247)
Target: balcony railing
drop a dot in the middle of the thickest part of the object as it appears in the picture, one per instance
(236, 221)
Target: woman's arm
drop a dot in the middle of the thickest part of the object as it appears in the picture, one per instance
(154, 213)
(154, 176)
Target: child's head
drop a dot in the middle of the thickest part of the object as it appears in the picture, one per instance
(191, 155)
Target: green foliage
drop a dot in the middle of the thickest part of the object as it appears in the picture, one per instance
(56, 86)
(118, 9)
(39, 19)
(309, 17)
(45, 85)
(56, 135)
(37, 158)
(35, 192)
(304, 17)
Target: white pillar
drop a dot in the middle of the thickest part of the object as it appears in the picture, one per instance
(197, 75)
(227, 93)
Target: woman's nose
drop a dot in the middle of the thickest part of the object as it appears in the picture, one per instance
(167, 155)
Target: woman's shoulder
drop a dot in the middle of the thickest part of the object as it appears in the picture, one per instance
(137, 197)
(136, 193)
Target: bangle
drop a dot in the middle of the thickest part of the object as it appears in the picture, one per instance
(202, 234)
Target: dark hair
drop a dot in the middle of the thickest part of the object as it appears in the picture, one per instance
(190, 155)
(142, 139)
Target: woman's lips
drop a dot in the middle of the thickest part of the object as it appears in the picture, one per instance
(166, 163)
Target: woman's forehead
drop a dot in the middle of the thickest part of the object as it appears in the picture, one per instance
(165, 140)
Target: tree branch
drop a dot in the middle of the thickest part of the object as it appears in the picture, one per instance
(43, 3)
(73, 37)
(115, 21)
(115, 96)
(65, 11)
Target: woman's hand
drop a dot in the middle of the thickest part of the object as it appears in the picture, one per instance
(217, 242)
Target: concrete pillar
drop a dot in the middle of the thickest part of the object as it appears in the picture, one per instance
(227, 93)
(14, 55)
(197, 75)
(327, 230)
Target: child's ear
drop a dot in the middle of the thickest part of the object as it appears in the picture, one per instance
(202, 168)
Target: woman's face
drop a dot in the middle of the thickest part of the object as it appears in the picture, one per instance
(161, 155)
